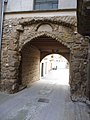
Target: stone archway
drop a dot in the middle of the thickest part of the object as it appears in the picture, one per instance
(24, 31)
(33, 52)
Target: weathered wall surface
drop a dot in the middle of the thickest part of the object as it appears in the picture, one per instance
(19, 32)
(9, 58)
(30, 65)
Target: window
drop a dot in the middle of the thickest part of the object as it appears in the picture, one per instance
(45, 4)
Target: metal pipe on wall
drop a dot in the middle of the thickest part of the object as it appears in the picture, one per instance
(1, 20)
(1, 27)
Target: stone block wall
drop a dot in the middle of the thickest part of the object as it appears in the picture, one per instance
(17, 35)
(30, 65)
(9, 58)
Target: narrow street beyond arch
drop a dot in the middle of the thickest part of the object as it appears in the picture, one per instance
(47, 99)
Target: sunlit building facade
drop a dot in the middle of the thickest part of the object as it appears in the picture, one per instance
(53, 62)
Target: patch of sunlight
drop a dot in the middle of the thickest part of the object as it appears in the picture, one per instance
(59, 77)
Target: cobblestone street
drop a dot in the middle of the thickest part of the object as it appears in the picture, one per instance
(47, 99)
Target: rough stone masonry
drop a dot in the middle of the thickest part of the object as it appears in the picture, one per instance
(20, 61)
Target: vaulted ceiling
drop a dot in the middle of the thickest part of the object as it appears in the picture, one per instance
(47, 44)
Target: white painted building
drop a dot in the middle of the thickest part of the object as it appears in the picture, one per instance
(52, 62)
(39, 8)
(45, 66)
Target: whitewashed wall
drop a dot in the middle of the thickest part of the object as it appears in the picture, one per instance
(27, 5)
(19, 5)
(67, 4)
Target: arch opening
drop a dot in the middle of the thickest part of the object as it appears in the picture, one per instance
(55, 67)
(33, 52)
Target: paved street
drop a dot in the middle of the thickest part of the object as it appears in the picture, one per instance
(47, 99)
